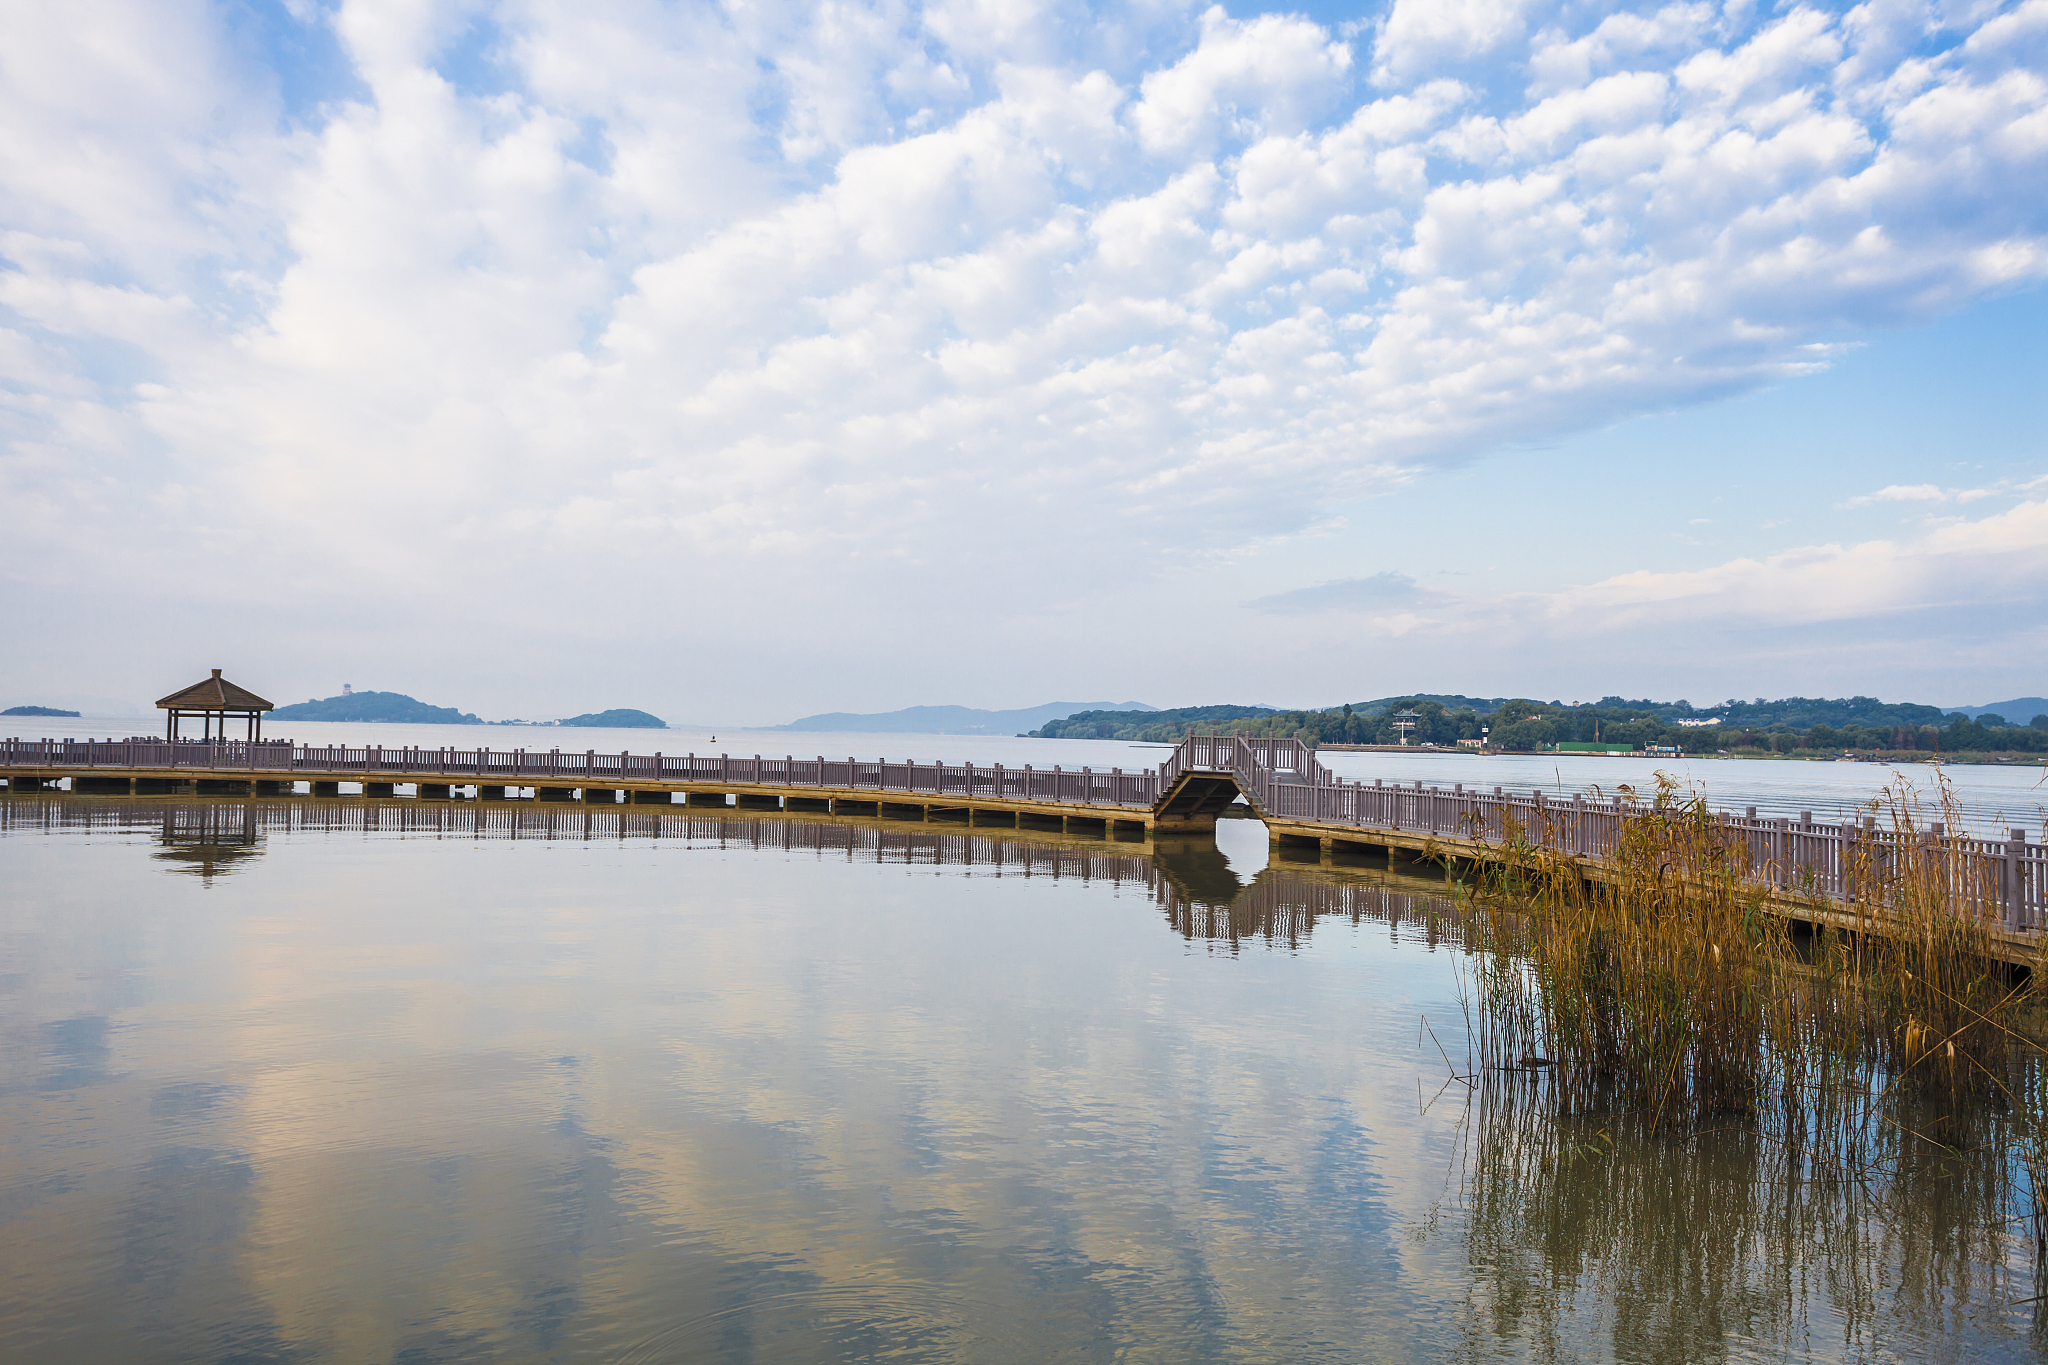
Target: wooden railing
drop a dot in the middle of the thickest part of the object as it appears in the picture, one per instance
(1280, 777)
(2005, 880)
(520, 767)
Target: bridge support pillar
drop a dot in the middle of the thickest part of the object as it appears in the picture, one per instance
(379, 788)
(554, 793)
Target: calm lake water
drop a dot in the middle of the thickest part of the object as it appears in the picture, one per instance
(334, 1080)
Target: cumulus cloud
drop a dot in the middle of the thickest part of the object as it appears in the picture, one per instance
(855, 302)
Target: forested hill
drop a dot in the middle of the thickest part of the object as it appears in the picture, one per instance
(378, 706)
(1803, 712)
(1787, 725)
(1147, 725)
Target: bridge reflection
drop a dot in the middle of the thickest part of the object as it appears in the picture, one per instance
(1191, 880)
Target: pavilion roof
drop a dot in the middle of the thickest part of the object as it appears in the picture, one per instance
(214, 694)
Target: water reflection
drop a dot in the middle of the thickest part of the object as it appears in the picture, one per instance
(1724, 1244)
(1194, 881)
(208, 841)
(499, 1082)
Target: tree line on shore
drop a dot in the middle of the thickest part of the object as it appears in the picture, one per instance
(1518, 725)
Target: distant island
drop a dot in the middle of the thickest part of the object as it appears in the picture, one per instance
(35, 711)
(619, 718)
(384, 707)
(953, 720)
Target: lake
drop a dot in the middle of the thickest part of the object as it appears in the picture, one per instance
(286, 1083)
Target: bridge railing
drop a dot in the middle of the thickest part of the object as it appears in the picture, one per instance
(2004, 880)
(1281, 777)
(519, 767)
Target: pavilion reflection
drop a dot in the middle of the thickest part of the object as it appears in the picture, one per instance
(208, 840)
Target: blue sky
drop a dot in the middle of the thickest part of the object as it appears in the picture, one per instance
(746, 361)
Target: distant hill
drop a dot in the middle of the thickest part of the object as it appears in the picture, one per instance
(1450, 701)
(35, 711)
(953, 720)
(376, 706)
(1802, 712)
(2019, 710)
(619, 718)
(1149, 724)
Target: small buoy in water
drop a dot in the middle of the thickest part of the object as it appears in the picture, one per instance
(1535, 1061)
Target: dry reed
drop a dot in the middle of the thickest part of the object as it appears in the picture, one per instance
(1668, 985)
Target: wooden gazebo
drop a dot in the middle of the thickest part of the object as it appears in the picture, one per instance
(216, 696)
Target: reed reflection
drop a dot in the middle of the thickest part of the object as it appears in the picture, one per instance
(1731, 1244)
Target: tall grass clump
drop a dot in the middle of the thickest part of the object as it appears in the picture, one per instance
(1681, 982)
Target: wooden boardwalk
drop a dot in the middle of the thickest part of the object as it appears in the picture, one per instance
(1804, 866)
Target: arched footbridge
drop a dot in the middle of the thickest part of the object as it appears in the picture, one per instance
(1803, 864)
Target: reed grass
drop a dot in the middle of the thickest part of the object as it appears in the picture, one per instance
(1667, 986)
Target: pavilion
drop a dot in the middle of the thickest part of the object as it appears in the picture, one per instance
(215, 696)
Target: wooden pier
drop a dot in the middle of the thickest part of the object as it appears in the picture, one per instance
(1805, 868)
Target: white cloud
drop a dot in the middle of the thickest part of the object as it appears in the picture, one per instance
(1954, 571)
(864, 305)
(1934, 493)
(1910, 492)
(1420, 37)
(1971, 565)
(1269, 74)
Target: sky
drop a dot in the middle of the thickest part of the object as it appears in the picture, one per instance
(739, 362)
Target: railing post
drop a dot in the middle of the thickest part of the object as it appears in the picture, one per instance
(2009, 882)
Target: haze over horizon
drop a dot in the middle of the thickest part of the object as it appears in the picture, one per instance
(753, 362)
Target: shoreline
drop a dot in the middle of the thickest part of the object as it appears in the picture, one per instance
(1894, 757)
